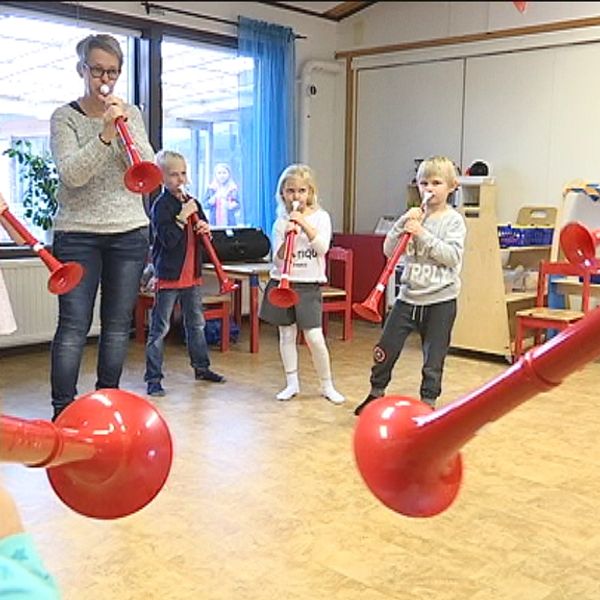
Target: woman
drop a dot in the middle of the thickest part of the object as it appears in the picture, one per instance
(99, 224)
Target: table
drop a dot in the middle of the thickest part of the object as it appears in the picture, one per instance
(254, 273)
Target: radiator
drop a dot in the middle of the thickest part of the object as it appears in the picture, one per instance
(34, 307)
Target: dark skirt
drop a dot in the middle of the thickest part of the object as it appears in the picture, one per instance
(307, 313)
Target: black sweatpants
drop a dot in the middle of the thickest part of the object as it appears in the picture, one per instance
(434, 323)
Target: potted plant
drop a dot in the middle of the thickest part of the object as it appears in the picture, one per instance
(40, 180)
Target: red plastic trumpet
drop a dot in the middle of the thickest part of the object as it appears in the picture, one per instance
(578, 243)
(225, 284)
(142, 176)
(283, 295)
(63, 277)
(107, 455)
(409, 456)
(369, 308)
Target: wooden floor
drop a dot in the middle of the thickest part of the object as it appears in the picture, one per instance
(264, 501)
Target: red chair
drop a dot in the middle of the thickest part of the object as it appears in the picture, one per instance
(542, 318)
(214, 307)
(337, 296)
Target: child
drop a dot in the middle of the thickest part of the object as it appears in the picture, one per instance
(307, 273)
(177, 259)
(429, 285)
(222, 199)
(22, 574)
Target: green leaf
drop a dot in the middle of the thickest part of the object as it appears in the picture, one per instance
(39, 176)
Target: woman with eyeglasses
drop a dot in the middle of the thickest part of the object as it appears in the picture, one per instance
(100, 223)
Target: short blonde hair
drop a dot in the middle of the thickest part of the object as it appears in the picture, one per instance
(304, 173)
(438, 166)
(164, 158)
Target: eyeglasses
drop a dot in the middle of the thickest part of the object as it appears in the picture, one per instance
(98, 72)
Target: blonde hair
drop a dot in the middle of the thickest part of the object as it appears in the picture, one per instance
(305, 174)
(100, 41)
(164, 158)
(438, 166)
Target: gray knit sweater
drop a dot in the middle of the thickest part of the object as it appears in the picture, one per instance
(92, 196)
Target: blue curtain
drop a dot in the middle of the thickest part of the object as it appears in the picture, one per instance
(267, 127)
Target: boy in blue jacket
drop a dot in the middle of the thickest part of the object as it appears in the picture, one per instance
(177, 260)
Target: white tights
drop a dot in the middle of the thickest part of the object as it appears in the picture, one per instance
(320, 357)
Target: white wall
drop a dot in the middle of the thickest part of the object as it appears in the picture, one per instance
(325, 150)
(387, 23)
(381, 24)
(528, 104)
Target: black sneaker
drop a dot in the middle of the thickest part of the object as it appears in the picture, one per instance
(366, 401)
(155, 389)
(429, 402)
(208, 375)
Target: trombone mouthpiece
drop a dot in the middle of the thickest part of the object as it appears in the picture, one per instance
(295, 205)
(104, 89)
(427, 196)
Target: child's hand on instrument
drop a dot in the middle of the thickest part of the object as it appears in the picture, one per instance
(187, 209)
(414, 227)
(293, 226)
(202, 227)
(414, 213)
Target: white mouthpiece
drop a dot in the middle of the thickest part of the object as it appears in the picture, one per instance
(104, 89)
(427, 196)
(295, 205)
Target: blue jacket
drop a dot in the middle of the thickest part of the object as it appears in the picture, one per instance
(168, 248)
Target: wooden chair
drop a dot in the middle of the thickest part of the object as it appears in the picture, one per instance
(337, 297)
(542, 317)
(214, 307)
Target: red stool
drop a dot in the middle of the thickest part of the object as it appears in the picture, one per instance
(214, 307)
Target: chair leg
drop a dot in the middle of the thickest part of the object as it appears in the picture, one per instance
(518, 339)
(140, 313)
(225, 328)
(347, 330)
(325, 323)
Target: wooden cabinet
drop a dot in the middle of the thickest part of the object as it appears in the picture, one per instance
(485, 319)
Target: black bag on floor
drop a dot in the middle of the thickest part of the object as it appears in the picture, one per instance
(239, 244)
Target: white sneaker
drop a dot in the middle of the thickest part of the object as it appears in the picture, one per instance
(333, 395)
(288, 393)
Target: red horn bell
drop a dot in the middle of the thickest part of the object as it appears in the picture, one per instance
(63, 276)
(578, 243)
(408, 455)
(107, 455)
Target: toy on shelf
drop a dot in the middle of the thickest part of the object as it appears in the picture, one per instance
(592, 190)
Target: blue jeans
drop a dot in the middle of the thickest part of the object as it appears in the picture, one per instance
(114, 262)
(190, 299)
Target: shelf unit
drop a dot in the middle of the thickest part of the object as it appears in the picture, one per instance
(485, 319)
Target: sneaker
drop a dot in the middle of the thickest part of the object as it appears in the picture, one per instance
(208, 375)
(155, 389)
(333, 395)
(366, 401)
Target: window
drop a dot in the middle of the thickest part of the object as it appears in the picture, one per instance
(204, 89)
(37, 75)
